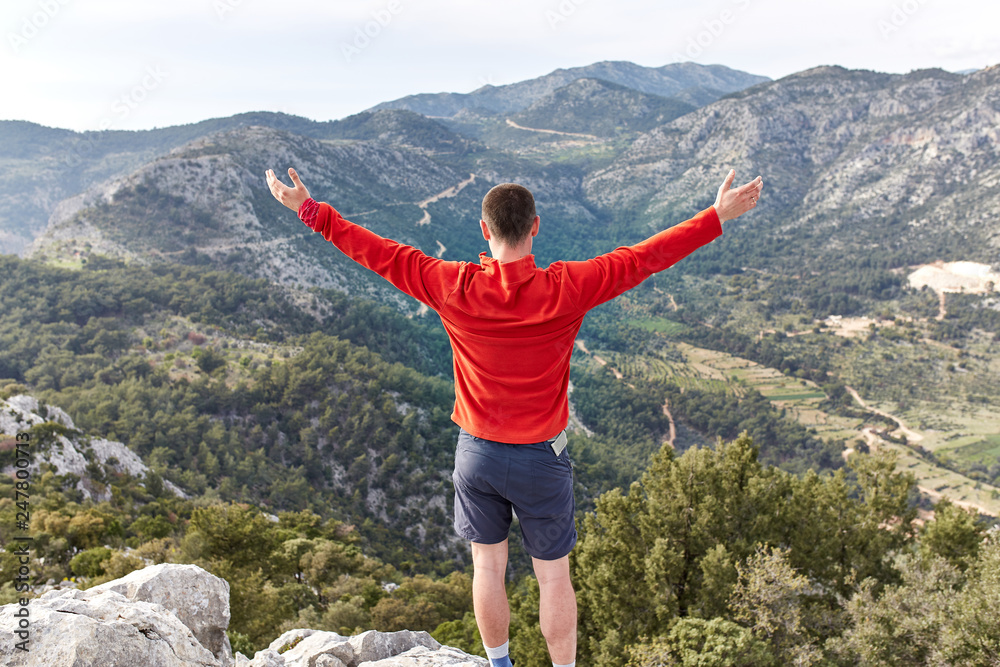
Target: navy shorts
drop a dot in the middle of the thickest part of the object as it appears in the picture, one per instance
(492, 479)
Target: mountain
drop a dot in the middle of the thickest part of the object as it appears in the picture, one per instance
(597, 107)
(41, 166)
(855, 163)
(206, 196)
(689, 82)
(848, 157)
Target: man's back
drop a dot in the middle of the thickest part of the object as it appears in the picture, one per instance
(512, 325)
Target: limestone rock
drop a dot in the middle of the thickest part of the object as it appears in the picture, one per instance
(71, 453)
(73, 628)
(315, 648)
(267, 658)
(292, 636)
(316, 644)
(421, 656)
(199, 599)
(371, 645)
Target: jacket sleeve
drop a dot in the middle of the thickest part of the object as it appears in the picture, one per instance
(603, 278)
(427, 279)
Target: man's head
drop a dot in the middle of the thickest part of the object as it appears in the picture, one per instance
(509, 213)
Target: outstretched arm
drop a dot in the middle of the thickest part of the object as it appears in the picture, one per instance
(602, 278)
(427, 279)
(733, 202)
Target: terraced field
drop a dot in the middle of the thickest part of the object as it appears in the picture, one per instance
(693, 367)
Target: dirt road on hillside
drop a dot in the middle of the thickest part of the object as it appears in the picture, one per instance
(444, 194)
(577, 135)
(911, 435)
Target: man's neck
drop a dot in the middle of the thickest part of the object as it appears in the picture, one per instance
(505, 253)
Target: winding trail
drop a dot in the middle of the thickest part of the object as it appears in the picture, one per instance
(673, 429)
(601, 360)
(444, 194)
(911, 435)
(673, 302)
(578, 135)
(873, 441)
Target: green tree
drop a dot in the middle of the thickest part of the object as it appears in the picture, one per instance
(770, 598)
(954, 534)
(89, 563)
(971, 634)
(237, 533)
(901, 625)
(462, 633)
(669, 548)
(696, 642)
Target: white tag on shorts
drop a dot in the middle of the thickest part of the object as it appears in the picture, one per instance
(559, 443)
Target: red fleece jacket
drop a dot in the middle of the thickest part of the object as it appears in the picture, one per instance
(512, 325)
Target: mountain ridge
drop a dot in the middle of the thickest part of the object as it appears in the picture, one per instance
(688, 82)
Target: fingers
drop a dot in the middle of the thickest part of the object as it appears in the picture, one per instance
(756, 183)
(752, 191)
(728, 183)
(295, 178)
(277, 188)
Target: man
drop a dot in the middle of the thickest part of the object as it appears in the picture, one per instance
(512, 328)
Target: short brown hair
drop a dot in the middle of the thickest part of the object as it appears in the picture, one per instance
(509, 212)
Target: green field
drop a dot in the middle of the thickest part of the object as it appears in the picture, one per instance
(985, 451)
(659, 325)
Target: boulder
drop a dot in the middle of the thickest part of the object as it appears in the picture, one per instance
(313, 645)
(266, 658)
(73, 628)
(199, 599)
(371, 645)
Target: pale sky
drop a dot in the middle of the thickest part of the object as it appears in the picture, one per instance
(92, 64)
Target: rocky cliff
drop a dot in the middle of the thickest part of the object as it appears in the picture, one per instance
(171, 615)
(67, 449)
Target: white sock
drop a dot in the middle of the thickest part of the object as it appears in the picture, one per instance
(498, 652)
(572, 664)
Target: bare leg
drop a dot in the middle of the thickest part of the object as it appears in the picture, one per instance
(557, 608)
(489, 592)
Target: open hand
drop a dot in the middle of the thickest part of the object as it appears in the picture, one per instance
(734, 202)
(290, 197)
